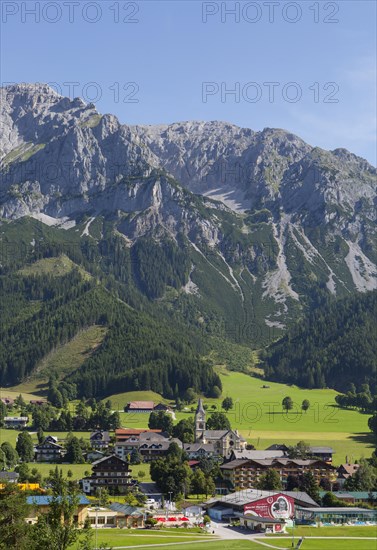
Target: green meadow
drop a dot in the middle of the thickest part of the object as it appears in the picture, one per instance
(258, 415)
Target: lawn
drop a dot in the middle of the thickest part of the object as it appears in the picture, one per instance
(124, 537)
(318, 544)
(341, 531)
(76, 469)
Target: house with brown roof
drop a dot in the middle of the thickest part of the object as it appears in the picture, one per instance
(123, 434)
(345, 471)
(49, 451)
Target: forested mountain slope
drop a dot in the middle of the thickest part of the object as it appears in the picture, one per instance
(334, 346)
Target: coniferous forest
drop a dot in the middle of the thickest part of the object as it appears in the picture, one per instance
(142, 349)
(334, 346)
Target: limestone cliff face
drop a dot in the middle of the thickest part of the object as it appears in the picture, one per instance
(225, 189)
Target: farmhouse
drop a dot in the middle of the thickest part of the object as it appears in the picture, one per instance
(49, 451)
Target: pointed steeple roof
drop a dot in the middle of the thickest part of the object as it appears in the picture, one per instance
(200, 408)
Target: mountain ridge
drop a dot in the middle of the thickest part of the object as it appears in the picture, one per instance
(262, 215)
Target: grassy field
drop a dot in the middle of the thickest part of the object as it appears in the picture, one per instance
(57, 267)
(341, 531)
(317, 544)
(120, 400)
(259, 417)
(76, 469)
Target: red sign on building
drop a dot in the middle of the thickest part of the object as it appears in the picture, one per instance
(277, 506)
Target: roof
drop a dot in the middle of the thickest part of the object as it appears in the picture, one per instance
(350, 468)
(9, 475)
(126, 509)
(219, 434)
(234, 464)
(195, 447)
(140, 405)
(149, 488)
(50, 443)
(240, 498)
(105, 436)
(262, 520)
(258, 454)
(277, 447)
(123, 432)
(340, 509)
(105, 458)
(328, 450)
(45, 500)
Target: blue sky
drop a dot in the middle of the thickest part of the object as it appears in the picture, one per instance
(178, 60)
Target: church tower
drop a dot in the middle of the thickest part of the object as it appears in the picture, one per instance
(200, 422)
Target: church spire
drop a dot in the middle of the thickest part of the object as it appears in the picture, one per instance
(200, 422)
(200, 408)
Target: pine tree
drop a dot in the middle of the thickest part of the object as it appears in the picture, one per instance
(25, 447)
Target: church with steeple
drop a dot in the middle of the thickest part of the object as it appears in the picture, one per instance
(224, 441)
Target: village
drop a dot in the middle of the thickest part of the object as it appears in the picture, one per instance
(200, 474)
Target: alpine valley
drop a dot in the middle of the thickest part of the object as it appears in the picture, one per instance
(184, 242)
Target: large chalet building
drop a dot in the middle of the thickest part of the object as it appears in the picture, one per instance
(245, 473)
(111, 472)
